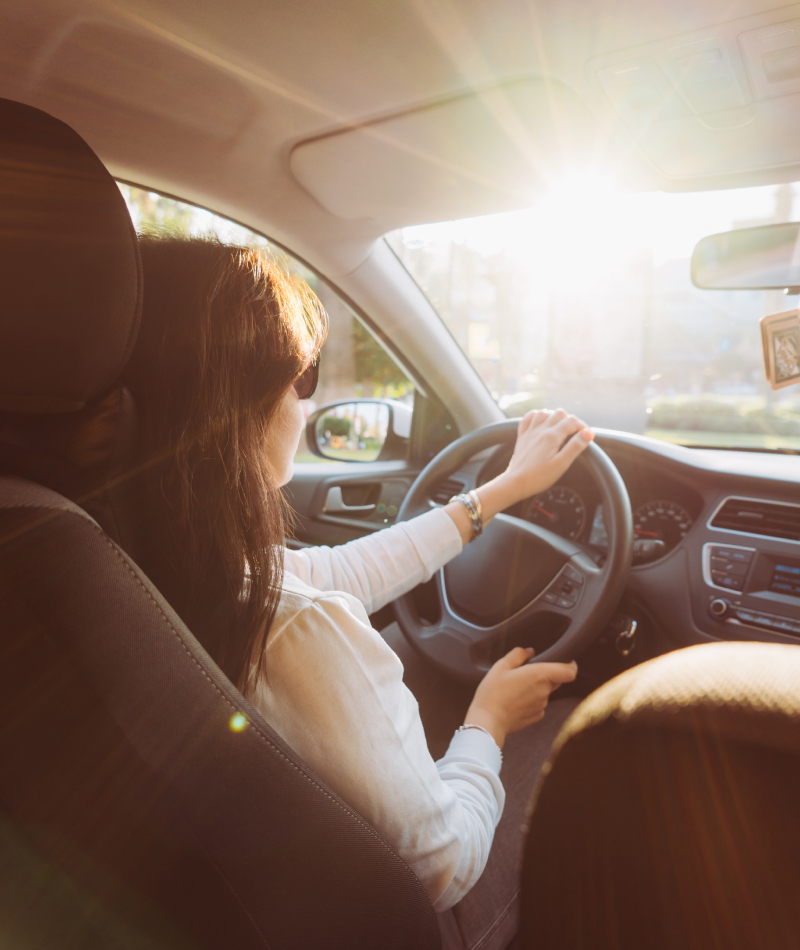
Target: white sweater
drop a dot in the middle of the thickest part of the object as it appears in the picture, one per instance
(334, 692)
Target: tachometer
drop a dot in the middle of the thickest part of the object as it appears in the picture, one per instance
(559, 509)
(658, 527)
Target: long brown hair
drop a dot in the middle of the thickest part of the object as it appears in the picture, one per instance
(225, 332)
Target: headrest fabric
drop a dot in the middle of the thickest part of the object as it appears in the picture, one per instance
(668, 816)
(69, 267)
(738, 691)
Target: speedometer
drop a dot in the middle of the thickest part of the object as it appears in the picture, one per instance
(658, 527)
(559, 509)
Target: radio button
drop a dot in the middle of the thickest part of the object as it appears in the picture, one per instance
(729, 567)
(719, 608)
(769, 621)
(725, 580)
(573, 575)
(732, 554)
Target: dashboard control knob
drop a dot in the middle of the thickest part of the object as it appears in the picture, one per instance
(719, 608)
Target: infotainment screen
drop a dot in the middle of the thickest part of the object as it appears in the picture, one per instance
(786, 577)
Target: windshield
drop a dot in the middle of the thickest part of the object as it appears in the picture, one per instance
(585, 301)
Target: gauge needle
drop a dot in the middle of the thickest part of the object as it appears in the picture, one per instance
(539, 508)
(653, 534)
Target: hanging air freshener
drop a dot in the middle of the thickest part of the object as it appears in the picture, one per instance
(780, 337)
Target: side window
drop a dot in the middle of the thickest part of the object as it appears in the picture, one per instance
(354, 363)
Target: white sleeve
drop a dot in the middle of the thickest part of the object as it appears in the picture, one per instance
(334, 691)
(380, 567)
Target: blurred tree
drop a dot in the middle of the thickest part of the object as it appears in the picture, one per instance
(335, 426)
(374, 368)
(353, 362)
(337, 369)
(150, 210)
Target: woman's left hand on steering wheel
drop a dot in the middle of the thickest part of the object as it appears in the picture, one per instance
(514, 693)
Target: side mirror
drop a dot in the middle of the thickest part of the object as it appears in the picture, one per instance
(763, 258)
(360, 430)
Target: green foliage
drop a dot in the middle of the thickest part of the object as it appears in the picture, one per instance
(374, 368)
(155, 212)
(707, 412)
(335, 426)
(374, 373)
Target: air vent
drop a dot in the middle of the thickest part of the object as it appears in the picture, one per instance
(445, 490)
(750, 516)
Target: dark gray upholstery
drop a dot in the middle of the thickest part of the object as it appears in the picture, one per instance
(145, 706)
(670, 817)
(89, 456)
(132, 811)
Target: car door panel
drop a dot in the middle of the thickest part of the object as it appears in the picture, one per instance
(335, 503)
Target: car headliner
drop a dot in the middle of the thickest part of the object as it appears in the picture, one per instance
(208, 100)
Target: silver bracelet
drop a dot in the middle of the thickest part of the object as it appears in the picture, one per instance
(472, 503)
(472, 725)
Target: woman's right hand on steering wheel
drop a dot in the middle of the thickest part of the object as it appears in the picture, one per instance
(514, 693)
(547, 444)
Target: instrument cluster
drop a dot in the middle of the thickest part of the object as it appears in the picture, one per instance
(658, 525)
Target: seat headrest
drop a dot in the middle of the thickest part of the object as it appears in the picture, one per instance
(69, 267)
(744, 692)
(668, 816)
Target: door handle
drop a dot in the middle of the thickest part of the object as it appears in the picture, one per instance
(334, 503)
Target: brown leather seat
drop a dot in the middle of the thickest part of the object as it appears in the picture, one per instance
(670, 819)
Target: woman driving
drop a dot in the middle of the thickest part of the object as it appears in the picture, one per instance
(229, 345)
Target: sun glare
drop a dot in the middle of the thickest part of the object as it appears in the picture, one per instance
(583, 186)
(238, 722)
(586, 227)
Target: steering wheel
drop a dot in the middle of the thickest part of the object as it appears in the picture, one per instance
(517, 584)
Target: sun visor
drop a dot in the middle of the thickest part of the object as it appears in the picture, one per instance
(475, 154)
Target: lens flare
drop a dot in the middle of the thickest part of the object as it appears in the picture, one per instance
(238, 722)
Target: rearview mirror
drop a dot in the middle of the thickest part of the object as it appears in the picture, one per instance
(765, 258)
(360, 430)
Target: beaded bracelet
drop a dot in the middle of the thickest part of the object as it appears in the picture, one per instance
(472, 503)
(472, 725)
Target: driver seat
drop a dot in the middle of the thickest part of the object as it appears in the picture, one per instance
(143, 801)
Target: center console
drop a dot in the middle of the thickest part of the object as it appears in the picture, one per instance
(758, 588)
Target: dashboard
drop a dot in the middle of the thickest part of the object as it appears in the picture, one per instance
(716, 535)
(717, 532)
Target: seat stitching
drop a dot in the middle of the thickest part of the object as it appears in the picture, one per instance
(496, 923)
(180, 639)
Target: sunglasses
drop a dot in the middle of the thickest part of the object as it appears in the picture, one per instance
(306, 383)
